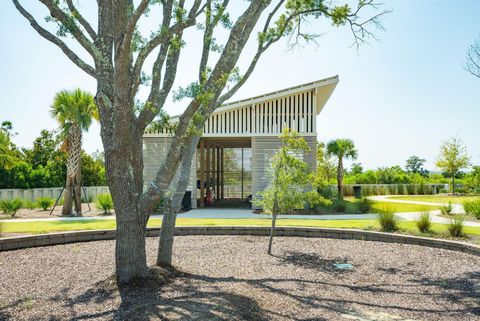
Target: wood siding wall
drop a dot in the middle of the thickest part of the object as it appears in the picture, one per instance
(154, 150)
(263, 148)
(266, 118)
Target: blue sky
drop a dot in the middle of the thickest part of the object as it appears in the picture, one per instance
(398, 97)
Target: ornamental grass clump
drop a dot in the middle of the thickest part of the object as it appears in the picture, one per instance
(105, 203)
(424, 222)
(11, 207)
(447, 209)
(456, 225)
(472, 207)
(29, 204)
(387, 219)
(44, 202)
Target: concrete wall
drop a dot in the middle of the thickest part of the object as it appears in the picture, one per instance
(263, 149)
(53, 192)
(154, 150)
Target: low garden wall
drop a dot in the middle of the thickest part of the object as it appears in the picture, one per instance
(22, 242)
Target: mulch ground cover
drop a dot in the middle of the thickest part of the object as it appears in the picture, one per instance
(232, 278)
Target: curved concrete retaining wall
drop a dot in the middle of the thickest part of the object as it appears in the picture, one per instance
(22, 242)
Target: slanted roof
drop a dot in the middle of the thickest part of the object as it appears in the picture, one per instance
(324, 89)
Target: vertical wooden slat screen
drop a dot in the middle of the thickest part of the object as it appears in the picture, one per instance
(297, 112)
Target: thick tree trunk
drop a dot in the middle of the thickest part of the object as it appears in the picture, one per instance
(78, 191)
(340, 178)
(167, 232)
(67, 197)
(130, 255)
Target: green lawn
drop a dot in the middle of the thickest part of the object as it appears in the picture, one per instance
(56, 226)
(436, 198)
(377, 206)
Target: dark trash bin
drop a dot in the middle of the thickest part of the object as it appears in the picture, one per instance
(187, 201)
(357, 191)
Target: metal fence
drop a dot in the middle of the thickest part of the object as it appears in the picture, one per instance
(32, 194)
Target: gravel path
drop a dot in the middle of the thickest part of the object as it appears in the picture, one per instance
(232, 278)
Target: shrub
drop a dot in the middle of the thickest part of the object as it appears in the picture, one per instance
(315, 200)
(424, 222)
(11, 207)
(45, 202)
(447, 209)
(455, 227)
(340, 206)
(387, 219)
(364, 205)
(29, 204)
(104, 202)
(472, 207)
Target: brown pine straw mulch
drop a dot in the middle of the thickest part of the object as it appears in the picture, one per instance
(232, 278)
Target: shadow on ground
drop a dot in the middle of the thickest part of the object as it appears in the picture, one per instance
(199, 297)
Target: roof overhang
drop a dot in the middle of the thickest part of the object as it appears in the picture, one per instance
(323, 90)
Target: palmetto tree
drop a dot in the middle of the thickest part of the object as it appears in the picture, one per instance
(341, 148)
(74, 111)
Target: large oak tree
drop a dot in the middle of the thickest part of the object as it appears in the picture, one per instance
(118, 49)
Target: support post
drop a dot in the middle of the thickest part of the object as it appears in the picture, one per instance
(202, 173)
(207, 164)
(242, 174)
(218, 172)
(222, 172)
(214, 171)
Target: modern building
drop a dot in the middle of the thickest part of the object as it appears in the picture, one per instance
(239, 139)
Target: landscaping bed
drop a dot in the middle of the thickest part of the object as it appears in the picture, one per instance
(232, 278)
(57, 212)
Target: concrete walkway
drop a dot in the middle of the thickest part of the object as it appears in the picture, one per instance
(211, 213)
(413, 216)
(226, 213)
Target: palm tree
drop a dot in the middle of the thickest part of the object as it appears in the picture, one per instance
(341, 148)
(74, 111)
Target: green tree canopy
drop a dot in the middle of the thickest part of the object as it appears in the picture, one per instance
(341, 148)
(452, 158)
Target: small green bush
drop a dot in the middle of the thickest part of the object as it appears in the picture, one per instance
(340, 206)
(447, 209)
(387, 219)
(45, 202)
(424, 222)
(11, 207)
(315, 200)
(364, 205)
(472, 207)
(29, 204)
(104, 202)
(455, 227)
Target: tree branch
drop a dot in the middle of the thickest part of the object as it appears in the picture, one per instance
(82, 20)
(72, 27)
(162, 37)
(157, 96)
(132, 22)
(55, 40)
(210, 24)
